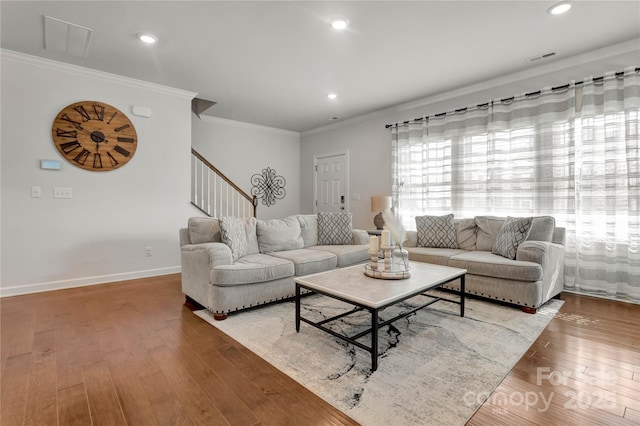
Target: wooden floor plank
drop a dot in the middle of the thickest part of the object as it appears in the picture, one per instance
(73, 406)
(101, 394)
(13, 389)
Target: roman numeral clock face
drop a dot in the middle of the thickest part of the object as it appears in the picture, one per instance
(94, 136)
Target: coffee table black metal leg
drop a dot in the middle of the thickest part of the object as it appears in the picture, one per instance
(297, 308)
(462, 296)
(374, 339)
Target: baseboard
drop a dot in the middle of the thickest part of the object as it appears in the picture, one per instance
(17, 290)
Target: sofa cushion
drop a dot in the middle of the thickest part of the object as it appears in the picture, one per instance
(542, 229)
(347, 254)
(308, 229)
(466, 233)
(204, 230)
(493, 265)
(252, 268)
(234, 235)
(306, 261)
(514, 232)
(279, 234)
(250, 224)
(438, 256)
(436, 231)
(488, 229)
(334, 228)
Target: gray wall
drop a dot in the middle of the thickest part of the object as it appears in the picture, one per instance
(240, 150)
(101, 233)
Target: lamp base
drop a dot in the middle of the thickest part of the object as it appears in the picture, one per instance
(378, 221)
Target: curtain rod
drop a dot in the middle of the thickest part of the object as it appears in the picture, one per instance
(511, 99)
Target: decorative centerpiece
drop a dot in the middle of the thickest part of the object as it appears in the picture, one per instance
(389, 260)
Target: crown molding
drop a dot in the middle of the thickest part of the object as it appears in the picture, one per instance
(561, 64)
(234, 123)
(50, 64)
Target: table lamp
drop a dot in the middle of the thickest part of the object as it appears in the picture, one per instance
(380, 203)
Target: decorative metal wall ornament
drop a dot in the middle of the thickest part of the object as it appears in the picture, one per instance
(268, 186)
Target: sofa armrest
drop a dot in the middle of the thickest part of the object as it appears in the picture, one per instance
(540, 252)
(551, 257)
(360, 237)
(197, 261)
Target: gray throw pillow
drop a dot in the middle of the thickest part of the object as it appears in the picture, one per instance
(279, 235)
(466, 233)
(234, 235)
(334, 228)
(542, 228)
(436, 231)
(514, 231)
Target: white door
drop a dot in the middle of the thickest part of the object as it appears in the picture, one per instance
(331, 186)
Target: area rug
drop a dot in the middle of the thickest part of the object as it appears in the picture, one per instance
(435, 367)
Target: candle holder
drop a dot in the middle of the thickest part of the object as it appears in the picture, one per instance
(393, 265)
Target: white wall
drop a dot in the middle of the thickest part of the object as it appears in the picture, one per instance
(100, 234)
(240, 150)
(369, 142)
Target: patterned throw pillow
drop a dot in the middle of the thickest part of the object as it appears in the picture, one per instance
(334, 228)
(436, 231)
(233, 234)
(514, 231)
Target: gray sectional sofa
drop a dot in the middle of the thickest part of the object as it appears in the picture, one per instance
(223, 277)
(534, 275)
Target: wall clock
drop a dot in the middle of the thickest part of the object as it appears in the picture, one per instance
(94, 136)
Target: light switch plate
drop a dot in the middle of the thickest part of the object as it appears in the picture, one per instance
(60, 192)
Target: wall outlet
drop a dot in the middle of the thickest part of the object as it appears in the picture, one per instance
(147, 251)
(36, 191)
(59, 192)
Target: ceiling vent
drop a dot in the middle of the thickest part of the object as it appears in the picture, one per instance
(541, 57)
(65, 37)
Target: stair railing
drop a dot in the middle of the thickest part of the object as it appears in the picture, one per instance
(216, 195)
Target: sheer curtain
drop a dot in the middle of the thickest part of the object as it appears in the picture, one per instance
(538, 154)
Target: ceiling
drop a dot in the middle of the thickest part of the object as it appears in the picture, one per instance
(273, 62)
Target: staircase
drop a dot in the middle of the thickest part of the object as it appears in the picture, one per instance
(214, 194)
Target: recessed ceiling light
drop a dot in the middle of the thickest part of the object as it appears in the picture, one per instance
(339, 24)
(147, 38)
(332, 95)
(559, 8)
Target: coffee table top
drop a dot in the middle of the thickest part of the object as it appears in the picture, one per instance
(353, 285)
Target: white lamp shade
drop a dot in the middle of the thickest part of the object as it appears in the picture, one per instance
(380, 203)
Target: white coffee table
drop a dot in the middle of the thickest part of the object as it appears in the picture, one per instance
(352, 286)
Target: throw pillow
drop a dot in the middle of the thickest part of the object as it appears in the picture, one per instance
(466, 234)
(514, 231)
(436, 231)
(542, 228)
(204, 230)
(279, 234)
(334, 228)
(233, 234)
(309, 229)
(487, 232)
(250, 224)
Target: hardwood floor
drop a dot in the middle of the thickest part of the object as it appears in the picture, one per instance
(133, 353)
